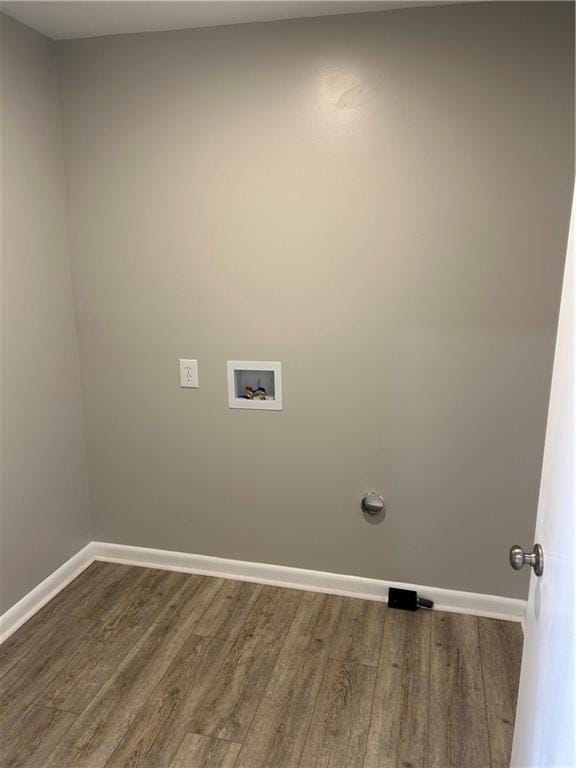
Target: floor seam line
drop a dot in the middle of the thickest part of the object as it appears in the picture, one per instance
(314, 708)
(269, 679)
(374, 689)
(477, 626)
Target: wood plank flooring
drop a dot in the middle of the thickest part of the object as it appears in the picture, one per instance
(140, 668)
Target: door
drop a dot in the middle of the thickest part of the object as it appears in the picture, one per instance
(544, 733)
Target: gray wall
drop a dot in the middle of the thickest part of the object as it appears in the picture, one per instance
(44, 511)
(379, 201)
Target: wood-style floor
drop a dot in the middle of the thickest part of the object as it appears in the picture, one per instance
(132, 667)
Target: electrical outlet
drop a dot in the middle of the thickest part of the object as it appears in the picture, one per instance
(189, 373)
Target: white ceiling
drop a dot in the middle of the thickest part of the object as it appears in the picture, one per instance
(90, 18)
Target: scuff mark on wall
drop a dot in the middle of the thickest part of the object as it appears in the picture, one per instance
(360, 94)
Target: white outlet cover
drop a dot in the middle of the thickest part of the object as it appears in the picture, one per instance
(189, 373)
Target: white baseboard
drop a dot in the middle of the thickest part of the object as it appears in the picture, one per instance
(492, 606)
(45, 591)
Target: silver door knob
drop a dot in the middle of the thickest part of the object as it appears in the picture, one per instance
(519, 558)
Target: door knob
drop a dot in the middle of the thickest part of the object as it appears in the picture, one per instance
(519, 558)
